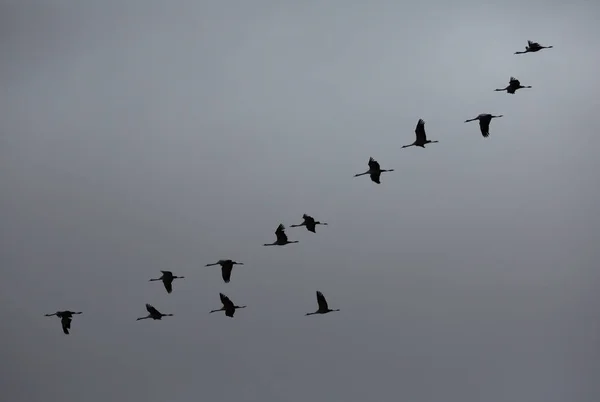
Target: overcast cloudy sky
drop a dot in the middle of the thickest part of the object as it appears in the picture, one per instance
(140, 136)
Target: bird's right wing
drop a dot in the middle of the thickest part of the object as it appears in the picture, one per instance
(225, 300)
(484, 125)
(280, 233)
(373, 164)
(321, 301)
(420, 130)
(66, 324)
(168, 285)
(376, 177)
(226, 273)
(152, 310)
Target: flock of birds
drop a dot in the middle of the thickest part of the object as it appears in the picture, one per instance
(374, 171)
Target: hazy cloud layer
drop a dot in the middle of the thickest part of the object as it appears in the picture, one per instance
(166, 135)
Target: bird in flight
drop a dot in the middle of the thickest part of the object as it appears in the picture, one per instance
(309, 222)
(323, 307)
(421, 136)
(226, 268)
(374, 171)
(228, 306)
(484, 123)
(154, 313)
(65, 319)
(282, 238)
(533, 47)
(167, 278)
(513, 85)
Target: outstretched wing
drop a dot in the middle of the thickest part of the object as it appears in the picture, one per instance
(514, 82)
(66, 324)
(373, 164)
(530, 43)
(420, 131)
(227, 303)
(167, 273)
(168, 282)
(321, 301)
(484, 125)
(280, 233)
(375, 177)
(152, 310)
(226, 272)
(311, 226)
(230, 311)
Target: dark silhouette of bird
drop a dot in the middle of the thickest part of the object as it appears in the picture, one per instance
(226, 267)
(374, 171)
(154, 313)
(310, 223)
(421, 136)
(282, 238)
(513, 85)
(228, 306)
(167, 279)
(484, 123)
(533, 47)
(65, 319)
(323, 307)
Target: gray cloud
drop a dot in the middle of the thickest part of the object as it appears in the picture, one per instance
(136, 138)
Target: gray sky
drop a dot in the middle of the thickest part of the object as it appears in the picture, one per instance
(154, 135)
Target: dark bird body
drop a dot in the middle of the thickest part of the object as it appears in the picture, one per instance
(421, 136)
(484, 123)
(65, 319)
(167, 278)
(282, 238)
(374, 171)
(310, 223)
(226, 268)
(154, 313)
(513, 85)
(228, 306)
(323, 306)
(533, 47)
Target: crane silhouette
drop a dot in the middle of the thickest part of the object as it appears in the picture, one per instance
(374, 171)
(226, 268)
(421, 136)
(533, 47)
(228, 306)
(282, 238)
(167, 278)
(323, 306)
(484, 123)
(66, 317)
(513, 85)
(310, 223)
(154, 313)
